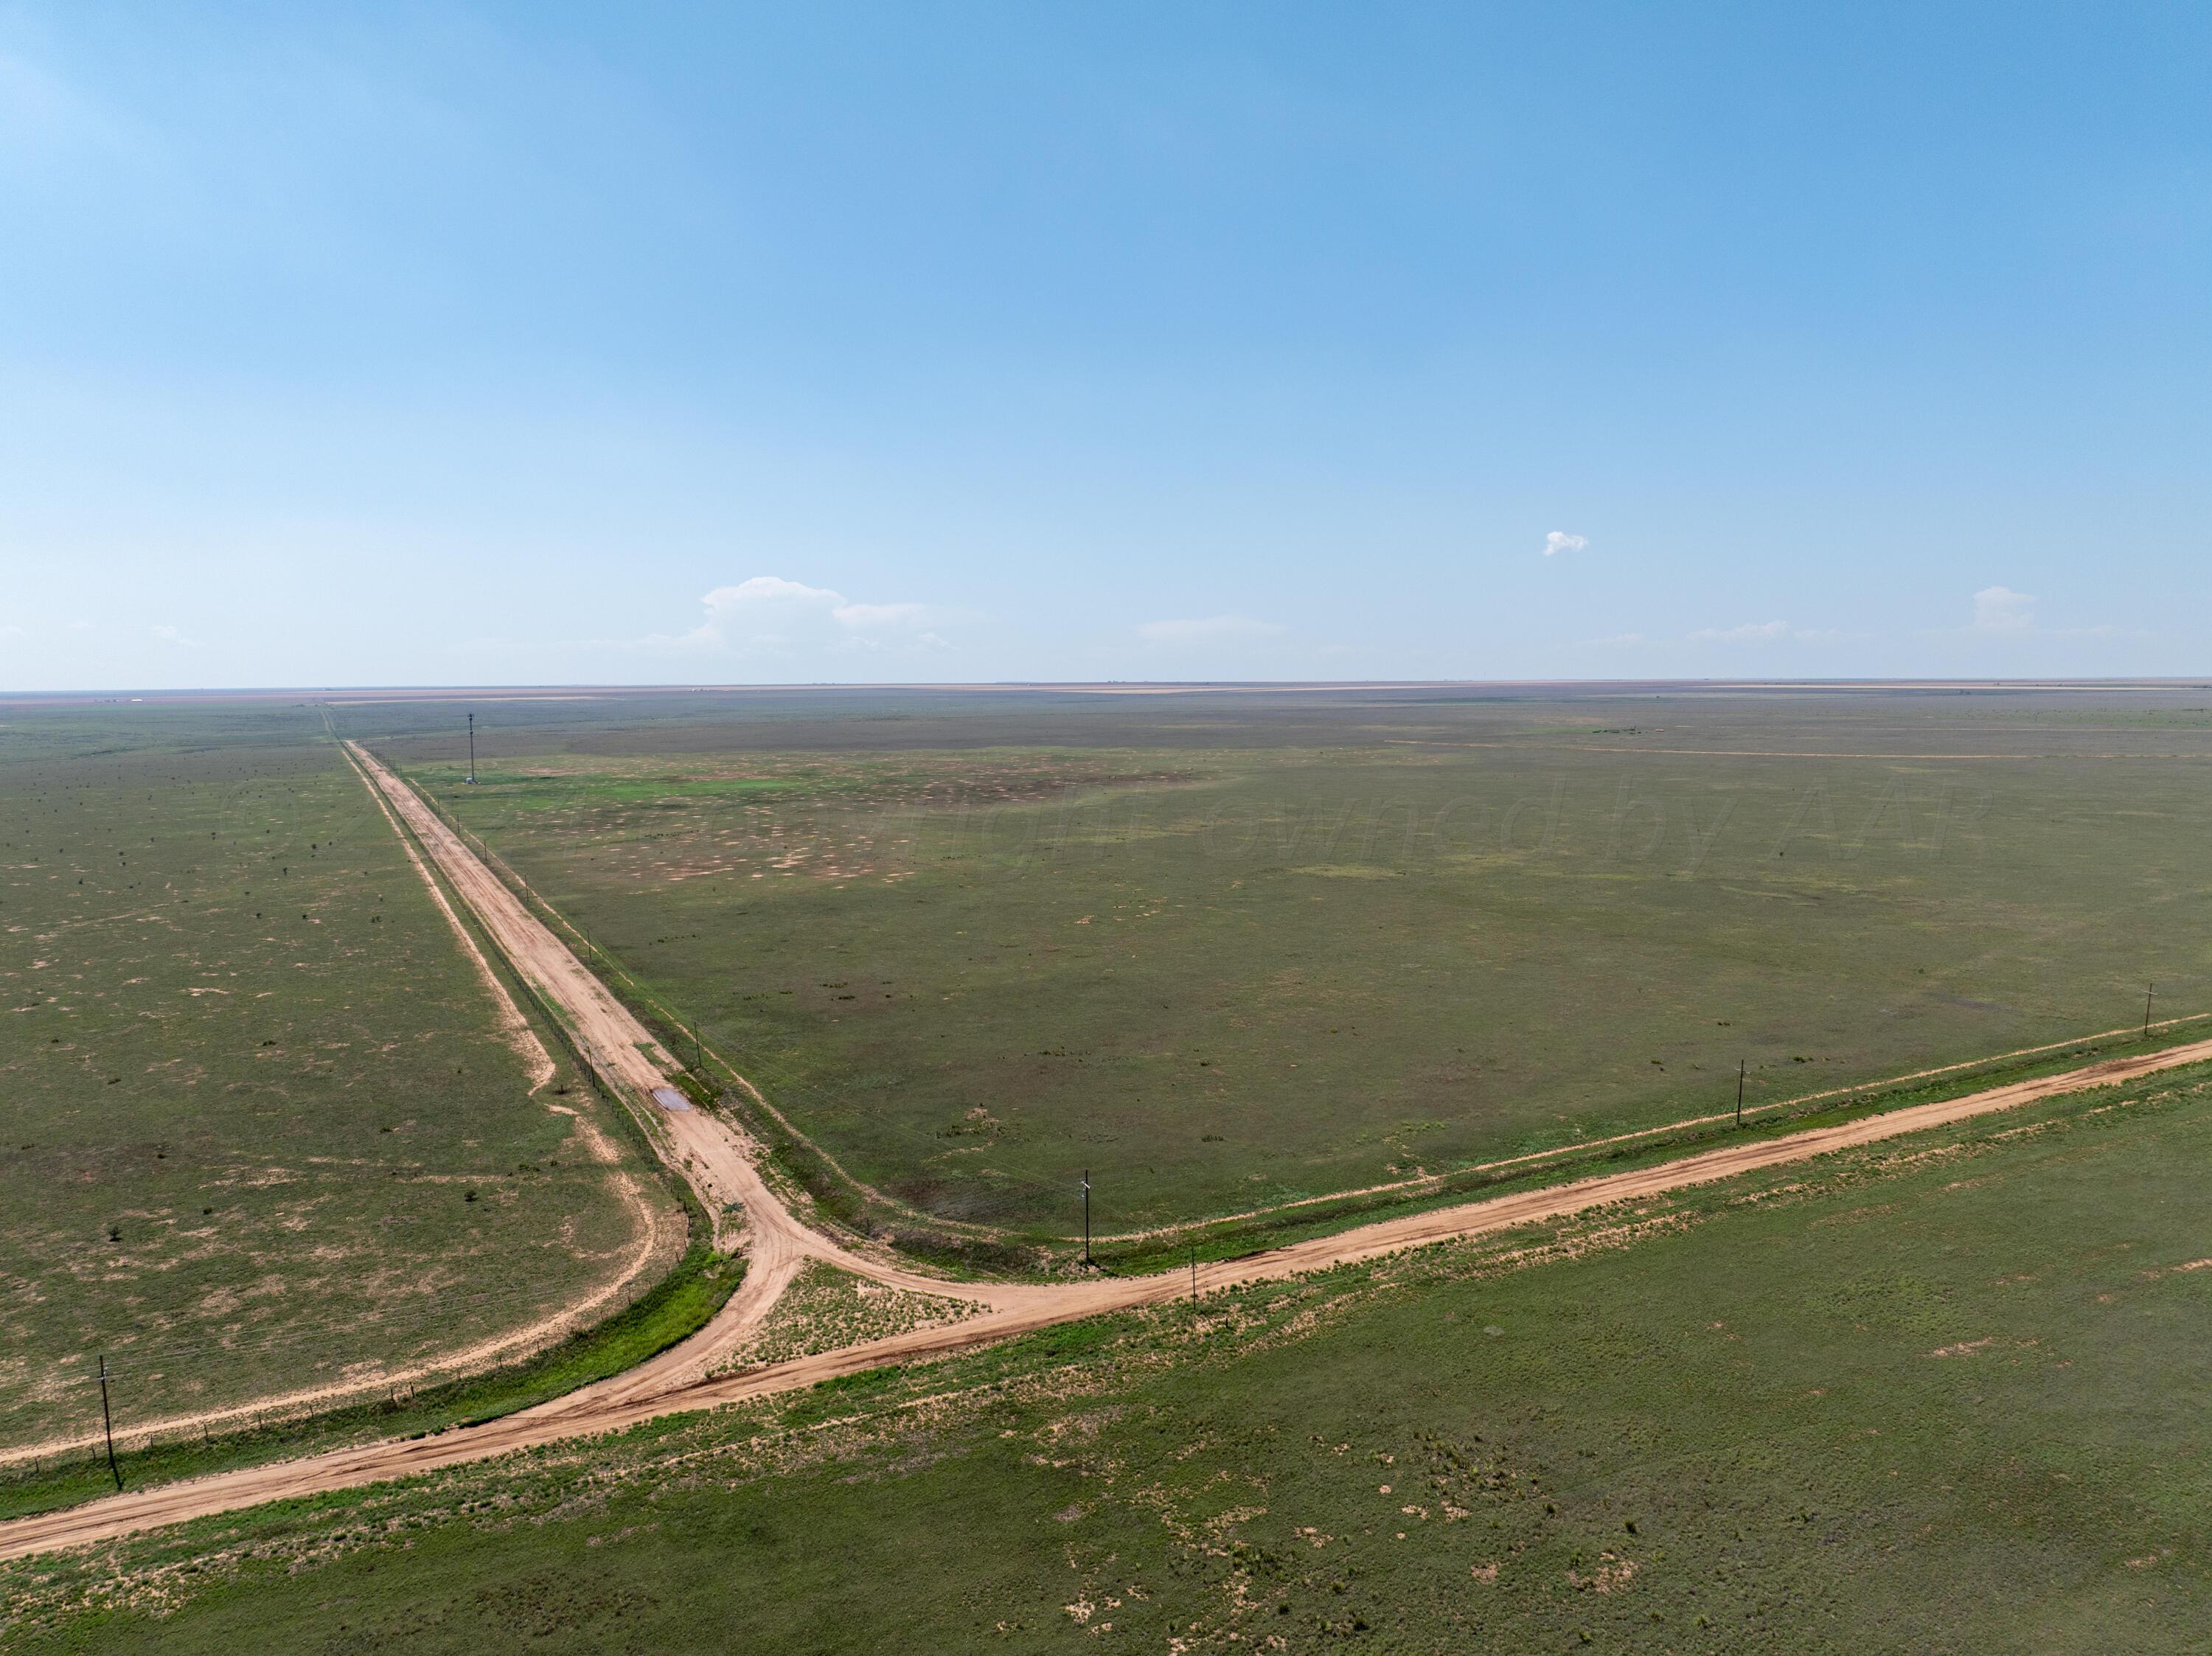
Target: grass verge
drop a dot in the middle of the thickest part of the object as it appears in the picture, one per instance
(1233, 1239)
(678, 1306)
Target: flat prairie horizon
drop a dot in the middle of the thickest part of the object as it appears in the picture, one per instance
(1248, 965)
(1105, 687)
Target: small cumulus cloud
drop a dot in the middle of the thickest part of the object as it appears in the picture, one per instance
(14, 631)
(168, 635)
(2001, 610)
(1208, 627)
(1560, 541)
(1999, 613)
(768, 614)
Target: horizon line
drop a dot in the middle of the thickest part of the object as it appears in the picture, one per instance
(356, 693)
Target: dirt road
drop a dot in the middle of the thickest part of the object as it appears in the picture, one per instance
(706, 1149)
(712, 1154)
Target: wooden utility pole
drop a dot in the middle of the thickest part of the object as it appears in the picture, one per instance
(1740, 1064)
(2147, 993)
(472, 750)
(1087, 1218)
(1193, 1270)
(108, 1423)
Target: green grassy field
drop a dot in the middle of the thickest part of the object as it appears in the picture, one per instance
(1231, 950)
(1940, 1395)
(261, 1129)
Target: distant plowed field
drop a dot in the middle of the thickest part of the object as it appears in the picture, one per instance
(261, 1130)
(1227, 950)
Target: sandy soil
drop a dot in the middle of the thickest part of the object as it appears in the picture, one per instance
(713, 1156)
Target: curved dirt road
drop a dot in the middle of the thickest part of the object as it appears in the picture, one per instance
(713, 1156)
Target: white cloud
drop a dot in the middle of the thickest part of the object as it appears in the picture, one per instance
(1208, 627)
(765, 610)
(2001, 610)
(1558, 540)
(14, 631)
(168, 635)
(766, 615)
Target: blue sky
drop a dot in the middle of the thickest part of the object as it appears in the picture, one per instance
(548, 343)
